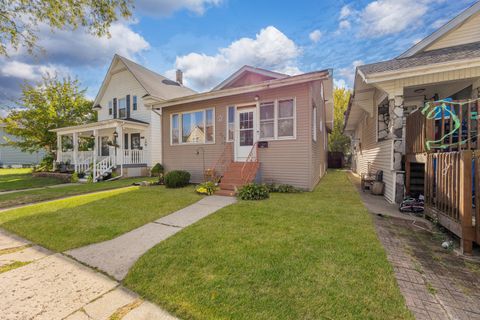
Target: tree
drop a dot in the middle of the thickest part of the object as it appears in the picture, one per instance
(19, 18)
(338, 142)
(52, 103)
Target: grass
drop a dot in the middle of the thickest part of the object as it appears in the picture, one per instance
(32, 196)
(18, 179)
(312, 255)
(14, 265)
(74, 222)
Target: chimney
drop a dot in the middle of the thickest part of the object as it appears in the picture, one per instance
(179, 76)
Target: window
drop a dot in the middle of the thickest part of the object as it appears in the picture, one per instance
(195, 127)
(110, 107)
(175, 129)
(122, 108)
(134, 103)
(267, 120)
(230, 123)
(286, 118)
(135, 141)
(314, 123)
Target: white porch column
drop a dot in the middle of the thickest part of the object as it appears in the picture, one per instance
(59, 147)
(95, 150)
(121, 144)
(75, 150)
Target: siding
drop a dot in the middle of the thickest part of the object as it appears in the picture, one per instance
(468, 32)
(120, 85)
(284, 161)
(14, 156)
(378, 154)
(319, 147)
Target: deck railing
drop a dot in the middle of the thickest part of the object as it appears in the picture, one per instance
(134, 156)
(443, 126)
(452, 191)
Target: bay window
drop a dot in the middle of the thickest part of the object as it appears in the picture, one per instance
(195, 127)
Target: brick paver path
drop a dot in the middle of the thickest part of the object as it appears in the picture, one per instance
(436, 283)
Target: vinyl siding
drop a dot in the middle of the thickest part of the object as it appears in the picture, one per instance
(121, 84)
(284, 161)
(468, 32)
(155, 141)
(319, 147)
(14, 156)
(378, 154)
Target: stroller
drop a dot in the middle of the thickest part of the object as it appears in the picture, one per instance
(414, 205)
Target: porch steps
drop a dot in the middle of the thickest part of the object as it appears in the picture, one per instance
(233, 178)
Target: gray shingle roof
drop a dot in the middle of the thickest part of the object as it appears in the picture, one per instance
(155, 84)
(465, 51)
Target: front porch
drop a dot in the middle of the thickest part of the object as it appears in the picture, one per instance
(101, 147)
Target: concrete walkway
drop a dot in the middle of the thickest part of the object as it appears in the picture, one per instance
(116, 256)
(52, 286)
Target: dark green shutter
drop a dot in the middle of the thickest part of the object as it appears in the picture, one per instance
(114, 108)
(128, 106)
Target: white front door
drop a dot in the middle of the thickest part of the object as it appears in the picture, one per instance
(245, 132)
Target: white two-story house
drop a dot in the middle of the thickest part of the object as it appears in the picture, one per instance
(127, 133)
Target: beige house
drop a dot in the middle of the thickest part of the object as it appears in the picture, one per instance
(256, 125)
(445, 64)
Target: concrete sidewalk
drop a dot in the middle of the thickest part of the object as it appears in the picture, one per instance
(116, 256)
(53, 286)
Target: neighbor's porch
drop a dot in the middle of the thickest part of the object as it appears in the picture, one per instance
(108, 143)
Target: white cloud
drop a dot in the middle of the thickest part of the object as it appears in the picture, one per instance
(270, 49)
(439, 23)
(345, 12)
(339, 83)
(346, 76)
(344, 24)
(315, 35)
(384, 17)
(167, 7)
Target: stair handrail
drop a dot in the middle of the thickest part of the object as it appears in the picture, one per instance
(103, 165)
(251, 158)
(225, 158)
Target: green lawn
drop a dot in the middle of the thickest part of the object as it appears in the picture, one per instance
(70, 223)
(312, 255)
(17, 179)
(31, 196)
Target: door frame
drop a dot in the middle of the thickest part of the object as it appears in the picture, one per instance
(256, 123)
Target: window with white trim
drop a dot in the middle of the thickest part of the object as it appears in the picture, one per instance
(135, 103)
(314, 123)
(267, 120)
(196, 127)
(122, 108)
(230, 123)
(110, 107)
(286, 118)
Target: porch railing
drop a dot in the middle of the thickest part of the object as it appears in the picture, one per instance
(443, 126)
(452, 191)
(133, 156)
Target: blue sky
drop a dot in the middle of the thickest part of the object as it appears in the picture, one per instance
(209, 39)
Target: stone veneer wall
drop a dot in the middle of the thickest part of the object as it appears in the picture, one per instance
(396, 132)
(383, 120)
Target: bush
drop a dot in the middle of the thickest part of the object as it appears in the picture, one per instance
(46, 164)
(74, 177)
(207, 188)
(282, 188)
(177, 179)
(157, 171)
(253, 191)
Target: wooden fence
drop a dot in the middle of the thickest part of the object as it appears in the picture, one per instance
(452, 193)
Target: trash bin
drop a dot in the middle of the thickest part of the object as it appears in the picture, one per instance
(377, 188)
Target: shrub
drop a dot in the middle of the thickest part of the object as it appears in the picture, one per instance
(46, 164)
(282, 188)
(253, 191)
(207, 188)
(177, 179)
(74, 177)
(157, 171)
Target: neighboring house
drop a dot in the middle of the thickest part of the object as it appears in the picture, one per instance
(445, 64)
(256, 124)
(12, 156)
